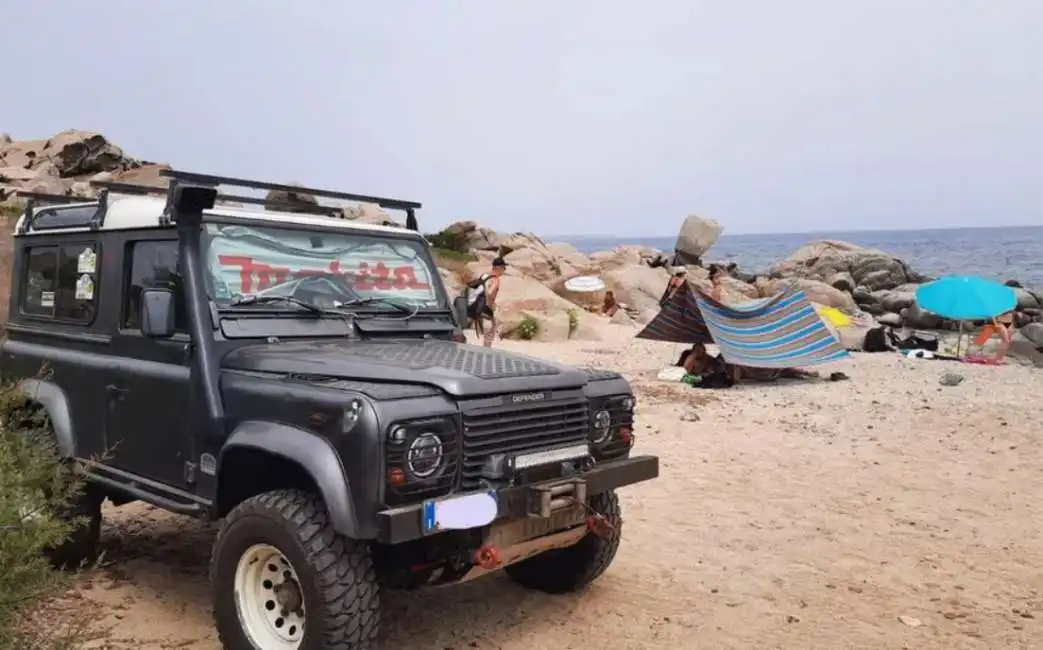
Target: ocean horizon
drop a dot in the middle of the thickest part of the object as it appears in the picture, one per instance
(1000, 253)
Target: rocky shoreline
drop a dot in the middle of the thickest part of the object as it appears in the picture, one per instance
(535, 303)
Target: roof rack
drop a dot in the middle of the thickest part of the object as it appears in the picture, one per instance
(178, 178)
(409, 207)
(34, 199)
(144, 190)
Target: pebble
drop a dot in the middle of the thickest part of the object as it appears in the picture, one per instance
(910, 621)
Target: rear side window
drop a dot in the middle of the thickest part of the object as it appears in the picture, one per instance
(61, 282)
(153, 265)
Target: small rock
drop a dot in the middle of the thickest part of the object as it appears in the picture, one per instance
(910, 621)
(690, 416)
(792, 619)
(950, 379)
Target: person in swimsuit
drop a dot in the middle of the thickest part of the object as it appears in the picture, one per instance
(1001, 326)
(717, 274)
(486, 309)
(677, 281)
(697, 361)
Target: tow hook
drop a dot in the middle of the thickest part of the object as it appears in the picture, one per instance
(487, 557)
(599, 525)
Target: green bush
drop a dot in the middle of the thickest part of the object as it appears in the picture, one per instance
(34, 486)
(455, 256)
(529, 328)
(448, 241)
(10, 209)
(573, 321)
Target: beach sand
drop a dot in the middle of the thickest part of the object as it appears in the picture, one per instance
(798, 515)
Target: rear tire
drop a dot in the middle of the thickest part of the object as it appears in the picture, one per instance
(283, 579)
(560, 571)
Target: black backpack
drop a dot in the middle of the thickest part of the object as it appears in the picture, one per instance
(878, 339)
(476, 299)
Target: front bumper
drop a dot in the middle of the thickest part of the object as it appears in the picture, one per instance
(403, 524)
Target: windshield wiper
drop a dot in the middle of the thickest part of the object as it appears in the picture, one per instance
(264, 300)
(400, 306)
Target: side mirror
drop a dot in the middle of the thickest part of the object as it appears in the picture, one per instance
(460, 310)
(157, 313)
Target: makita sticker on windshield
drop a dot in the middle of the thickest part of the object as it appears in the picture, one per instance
(245, 261)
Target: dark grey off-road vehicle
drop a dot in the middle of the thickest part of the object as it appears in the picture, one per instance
(304, 378)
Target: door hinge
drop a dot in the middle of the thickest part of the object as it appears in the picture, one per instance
(190, 473)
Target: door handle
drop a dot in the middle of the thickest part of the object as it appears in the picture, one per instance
(114, 391)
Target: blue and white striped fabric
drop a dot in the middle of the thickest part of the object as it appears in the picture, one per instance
(784, 331)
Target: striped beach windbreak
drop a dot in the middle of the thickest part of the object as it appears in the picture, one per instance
(784, 331)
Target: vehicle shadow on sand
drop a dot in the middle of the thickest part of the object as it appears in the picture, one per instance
(160, 561)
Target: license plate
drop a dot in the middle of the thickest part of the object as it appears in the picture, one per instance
(459, 513)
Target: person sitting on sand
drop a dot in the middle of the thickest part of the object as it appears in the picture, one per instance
(609, 307)
(1000, 326)
(698, 361)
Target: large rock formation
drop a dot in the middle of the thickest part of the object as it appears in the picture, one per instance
(842, 263)
(66, 163)
(696, 237)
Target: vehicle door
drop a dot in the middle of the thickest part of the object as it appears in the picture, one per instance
(148, 393)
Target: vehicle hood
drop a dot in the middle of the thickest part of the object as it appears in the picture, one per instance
(458, 369)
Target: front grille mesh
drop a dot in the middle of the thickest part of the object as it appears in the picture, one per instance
(513, 428)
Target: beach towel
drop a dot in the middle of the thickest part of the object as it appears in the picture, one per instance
(783, 331)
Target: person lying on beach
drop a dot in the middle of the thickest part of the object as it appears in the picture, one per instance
(739, 373)
(1000, 326)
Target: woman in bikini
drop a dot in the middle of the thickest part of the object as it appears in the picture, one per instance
(1002, 326)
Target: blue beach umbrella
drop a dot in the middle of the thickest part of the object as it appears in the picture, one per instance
(966, 297)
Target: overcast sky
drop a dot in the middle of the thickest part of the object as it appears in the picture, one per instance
(565, 116)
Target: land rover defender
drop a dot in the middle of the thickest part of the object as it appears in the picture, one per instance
(305, 379)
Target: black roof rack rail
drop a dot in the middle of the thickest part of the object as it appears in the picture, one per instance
(207, 179)
(144, 190)
(52, 200)
(56, 199)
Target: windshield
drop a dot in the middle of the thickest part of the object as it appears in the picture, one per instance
(322, 268)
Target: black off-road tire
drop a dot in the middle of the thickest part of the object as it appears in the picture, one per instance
(560, 571)
(337, 578)
(81, 546)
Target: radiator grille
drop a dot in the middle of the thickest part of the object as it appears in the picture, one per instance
(511, 428)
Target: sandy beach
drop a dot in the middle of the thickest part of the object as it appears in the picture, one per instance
(887, 511)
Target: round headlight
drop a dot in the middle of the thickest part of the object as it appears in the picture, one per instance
(424, 456)
(602, 427)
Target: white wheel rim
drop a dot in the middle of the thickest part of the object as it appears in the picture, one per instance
(269, 600)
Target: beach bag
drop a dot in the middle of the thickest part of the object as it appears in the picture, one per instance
(878, 339)
(917, 341)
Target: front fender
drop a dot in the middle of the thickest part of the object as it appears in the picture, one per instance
(54, 400)
(312, 453)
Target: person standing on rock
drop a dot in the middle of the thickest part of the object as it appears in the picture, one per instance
(481, 302)
(717, 274)
(677, 280)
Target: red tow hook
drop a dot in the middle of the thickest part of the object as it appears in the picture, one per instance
(487, 557)
(599, 525)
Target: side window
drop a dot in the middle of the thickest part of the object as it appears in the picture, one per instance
(153, 265)
(61, 282)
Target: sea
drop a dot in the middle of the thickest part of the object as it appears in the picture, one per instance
(1011, 253)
